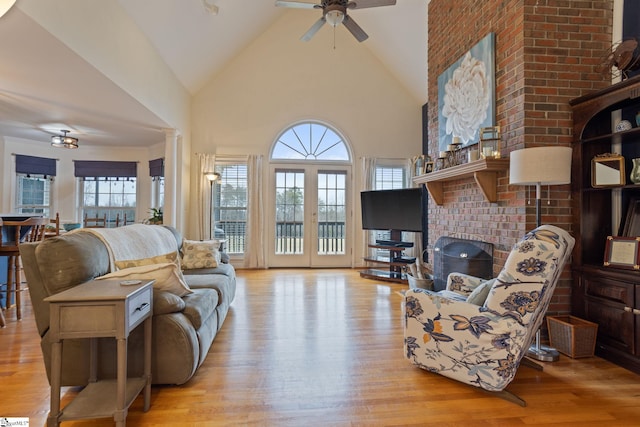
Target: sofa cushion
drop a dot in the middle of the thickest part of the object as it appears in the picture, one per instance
(199, 305)
(159, 259)
(167, 275)
(200, 254)
(165, 302)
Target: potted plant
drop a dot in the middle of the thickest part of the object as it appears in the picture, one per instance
(156, 216)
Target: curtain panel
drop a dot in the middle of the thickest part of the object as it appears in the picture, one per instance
(255, 255)
(368, 181)
(205, 163)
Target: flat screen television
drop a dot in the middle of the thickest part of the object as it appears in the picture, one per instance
(399, 210)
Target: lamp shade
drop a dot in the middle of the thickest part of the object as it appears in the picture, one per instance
(540, 165)
(212, 176)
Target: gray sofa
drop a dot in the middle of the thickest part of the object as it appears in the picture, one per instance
(184, 327)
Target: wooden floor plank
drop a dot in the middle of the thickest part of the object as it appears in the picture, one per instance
(324, 348)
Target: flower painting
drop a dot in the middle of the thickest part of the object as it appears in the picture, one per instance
(466, 95)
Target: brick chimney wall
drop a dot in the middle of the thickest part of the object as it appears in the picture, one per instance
(546, 53)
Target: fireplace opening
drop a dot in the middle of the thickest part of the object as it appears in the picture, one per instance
(454, 255)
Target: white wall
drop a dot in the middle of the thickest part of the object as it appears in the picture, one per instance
(105, 36)
(65, 185)
(278, 80)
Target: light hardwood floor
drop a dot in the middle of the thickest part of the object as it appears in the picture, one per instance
(324, 348)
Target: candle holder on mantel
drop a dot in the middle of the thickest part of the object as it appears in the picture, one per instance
(490, 142)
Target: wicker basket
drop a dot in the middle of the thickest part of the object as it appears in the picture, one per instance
(572, 336)
(414, 282)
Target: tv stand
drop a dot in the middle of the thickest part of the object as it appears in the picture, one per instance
(395, 260)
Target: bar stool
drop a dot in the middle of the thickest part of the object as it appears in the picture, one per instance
(12, 233)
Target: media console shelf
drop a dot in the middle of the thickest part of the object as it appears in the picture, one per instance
(395, 272)
(484, 171)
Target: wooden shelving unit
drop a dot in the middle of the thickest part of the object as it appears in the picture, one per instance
(605, 295)
(484, 171)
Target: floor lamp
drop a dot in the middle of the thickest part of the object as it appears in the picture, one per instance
(212, 177)
(540, 166)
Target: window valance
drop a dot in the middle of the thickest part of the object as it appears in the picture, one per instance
(35, 165)
(95, 168)
(156, 167)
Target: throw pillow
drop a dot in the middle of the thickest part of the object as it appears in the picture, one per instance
(517, 300)
(200, 254)
(160, 259)
(479, 294)
(168, 277)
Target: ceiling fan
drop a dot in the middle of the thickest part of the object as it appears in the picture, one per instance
(334, 12)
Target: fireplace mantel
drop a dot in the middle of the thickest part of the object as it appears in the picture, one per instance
(484, 171)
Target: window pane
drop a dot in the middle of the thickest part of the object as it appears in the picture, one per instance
(289, 212)
(33, 194)
(106, 196)
(310, 141)
(230, 206)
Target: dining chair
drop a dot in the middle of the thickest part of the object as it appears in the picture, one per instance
(12, 234)
(56, 222)
(95, 222)
(119, 222)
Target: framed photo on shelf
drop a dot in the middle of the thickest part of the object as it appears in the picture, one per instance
(622, 252)
(607, 170)
(632, 220)
(428, 167)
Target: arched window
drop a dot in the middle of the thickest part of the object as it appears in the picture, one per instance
(310, 141)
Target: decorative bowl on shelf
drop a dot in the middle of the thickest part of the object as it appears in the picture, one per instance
(71, 226)
(623, 125)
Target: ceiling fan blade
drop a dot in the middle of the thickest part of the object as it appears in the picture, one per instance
(313, 30)
(355, 29)
(362, 4)
(297, 5)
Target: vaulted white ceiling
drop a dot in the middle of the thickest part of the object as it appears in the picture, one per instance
(194, 44)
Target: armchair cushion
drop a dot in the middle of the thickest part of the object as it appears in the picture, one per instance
(463, 284)
(479, 294)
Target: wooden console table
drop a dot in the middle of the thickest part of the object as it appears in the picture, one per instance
(100, 308)
(484, 171)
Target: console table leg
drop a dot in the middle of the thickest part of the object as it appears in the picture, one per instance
(56, 367)
(120, 414)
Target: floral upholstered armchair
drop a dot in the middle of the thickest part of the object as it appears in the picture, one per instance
(460, 334)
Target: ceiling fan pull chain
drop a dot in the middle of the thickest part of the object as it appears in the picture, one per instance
(334, 38)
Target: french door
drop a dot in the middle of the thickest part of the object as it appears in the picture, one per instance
(310, 216)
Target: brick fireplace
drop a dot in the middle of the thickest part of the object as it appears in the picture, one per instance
(546, 52)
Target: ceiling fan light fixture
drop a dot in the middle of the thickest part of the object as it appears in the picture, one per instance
(64, 141)
(334, 17)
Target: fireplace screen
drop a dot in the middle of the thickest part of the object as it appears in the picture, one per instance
(453, 255)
